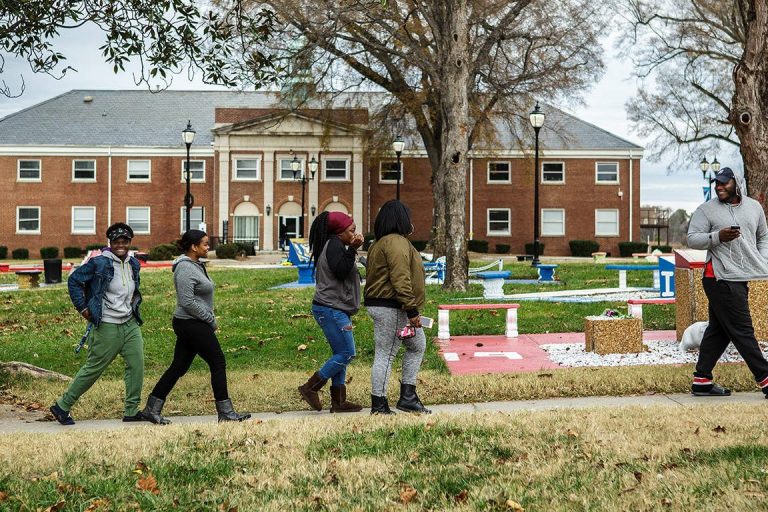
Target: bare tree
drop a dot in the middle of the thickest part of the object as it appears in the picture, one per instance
(450, 66)
(705, 69)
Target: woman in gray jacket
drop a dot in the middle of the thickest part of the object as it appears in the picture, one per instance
(195, 326)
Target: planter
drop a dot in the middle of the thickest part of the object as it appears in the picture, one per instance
(607, 335)
(599, 257)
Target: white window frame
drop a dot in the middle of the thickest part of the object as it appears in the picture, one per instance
(148, 179)
(83, 180)
(346, 159)
(282, 158)
(74, 231)
(381, 170)
(541, 176)
(604, 210)
(39, 170)
(562, 221)
(259, 165)
(192, 179)
(149, 219)
(39, 220)
(603, 182)
(192, 225)
(488, 230)
(498, 182)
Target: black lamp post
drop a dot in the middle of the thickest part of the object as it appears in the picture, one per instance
(398, 146)
(537, 121)
(295, 167)
(704, 166)
(188, 136)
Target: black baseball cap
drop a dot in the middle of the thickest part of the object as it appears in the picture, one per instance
(119, 230)
(724, 175)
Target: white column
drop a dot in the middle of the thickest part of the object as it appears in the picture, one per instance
(357, 185)
(268, 237)
(622, 279)
(512, 323)
(312, 191)
(224, 184)
(443, 318)
(635, 310)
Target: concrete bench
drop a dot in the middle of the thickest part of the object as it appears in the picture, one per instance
(28, 278)
(623, 273)
(546, 272)
(493, 283)
(635, 306)
(444, 311)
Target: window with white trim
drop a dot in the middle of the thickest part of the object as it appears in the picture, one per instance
(29, 170)
(553, 172)
(607, 172)
(84, 220)
(196, 217)
(388, 172)
(247, 169)
(336, 169)
(499, 172)
(139, 170)
(498, 221)
(607, 222)
(552, 222)
(28, 219)
(197, 171)
(138, 218)
(83, 170)
(286, 171)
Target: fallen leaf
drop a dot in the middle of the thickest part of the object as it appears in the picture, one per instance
(513, 505)
(97, 504)
(148, 483)
(55, 508)
(301, 347)
(461, 497)
(638, 476)
(407, 494)
(3, 496)
(719, 429)
(572, 433)
(666, 502)
(141, 467)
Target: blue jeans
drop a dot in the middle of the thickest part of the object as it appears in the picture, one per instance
(337, 328)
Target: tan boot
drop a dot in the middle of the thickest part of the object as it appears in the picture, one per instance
(309, 391)
(339, 400)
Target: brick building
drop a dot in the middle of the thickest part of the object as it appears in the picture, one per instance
(72, 165)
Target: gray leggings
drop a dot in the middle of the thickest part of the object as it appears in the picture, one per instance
(386, 323)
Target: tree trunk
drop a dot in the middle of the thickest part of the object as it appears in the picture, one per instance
(749, 108)
(28, 369)
(451, 184)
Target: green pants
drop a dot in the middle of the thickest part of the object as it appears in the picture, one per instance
(107, 341)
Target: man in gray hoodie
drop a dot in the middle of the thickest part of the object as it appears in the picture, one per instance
(732, 228)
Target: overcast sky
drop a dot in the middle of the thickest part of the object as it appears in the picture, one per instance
(604, 108)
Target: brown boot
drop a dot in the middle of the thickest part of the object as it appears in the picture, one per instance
(339, 400)
(309, 391)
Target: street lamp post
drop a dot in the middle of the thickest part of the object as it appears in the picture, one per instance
(398, 146)
(188, 136)
(295, 167)
(537, 121)
(704, 166)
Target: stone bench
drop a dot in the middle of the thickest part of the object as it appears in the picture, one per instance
(635, 306)
(28, 278)
(444, 311)
(493, 283)
(623, 273)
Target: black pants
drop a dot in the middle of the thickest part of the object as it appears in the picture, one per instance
(729, 320)
(194, 337)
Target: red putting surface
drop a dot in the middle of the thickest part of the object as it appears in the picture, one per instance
(468, 355)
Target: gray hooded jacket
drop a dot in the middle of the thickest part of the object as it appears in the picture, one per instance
(194, 291)
(742, 259)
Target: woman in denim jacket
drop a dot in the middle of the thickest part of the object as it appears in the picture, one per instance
(105, 292)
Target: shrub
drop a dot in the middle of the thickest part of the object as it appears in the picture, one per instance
(503, 248)
(20, 254)
(663, 248)
(419, 245)
(583, 247)
(529, 248)
(627, 249)
(163, 252)
(227, 251)
(48, 253)
(477, 245)
(3, 252)
(94, 247)
(245, 248)
(73, 252)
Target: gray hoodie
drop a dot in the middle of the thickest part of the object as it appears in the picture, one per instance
(116, 305)
(194, 291)
(742, 259)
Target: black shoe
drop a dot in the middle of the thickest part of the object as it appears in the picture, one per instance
(409, 400)
(61, 415)
(136, 417)
(710, 390)
(227, 412)
(153, 411)
(379, 405)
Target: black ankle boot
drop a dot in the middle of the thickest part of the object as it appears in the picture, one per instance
(379, 405)
(409, 400)
(227, 412)
(152, 411)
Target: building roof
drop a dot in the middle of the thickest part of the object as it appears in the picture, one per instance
(156, 119)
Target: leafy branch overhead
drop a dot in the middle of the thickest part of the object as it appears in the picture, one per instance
(164, 37)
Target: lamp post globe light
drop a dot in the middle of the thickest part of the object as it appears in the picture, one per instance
(705, 166)
(536, 118)
(398, 145)
(301, 176)
(188, 136)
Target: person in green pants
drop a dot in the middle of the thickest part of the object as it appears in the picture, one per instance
(105, 292)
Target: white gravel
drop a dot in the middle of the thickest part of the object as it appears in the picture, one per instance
(659, 352)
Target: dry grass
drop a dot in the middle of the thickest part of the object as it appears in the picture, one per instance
(663, 458)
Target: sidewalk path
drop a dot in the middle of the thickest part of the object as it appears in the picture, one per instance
(672, 400)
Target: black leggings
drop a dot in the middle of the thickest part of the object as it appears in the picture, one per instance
(194, 337)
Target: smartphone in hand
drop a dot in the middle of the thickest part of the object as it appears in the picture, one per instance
(427, 322)
(735, 227)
